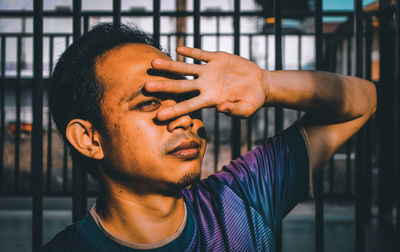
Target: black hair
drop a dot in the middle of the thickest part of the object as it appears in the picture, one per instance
(75, 92)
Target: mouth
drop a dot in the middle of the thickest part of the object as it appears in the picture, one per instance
(186, 150)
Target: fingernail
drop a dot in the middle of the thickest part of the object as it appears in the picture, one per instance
(181, 48)
(148, 86)
(162, 114)
(156, 61)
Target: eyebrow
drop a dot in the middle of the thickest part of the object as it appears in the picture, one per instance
(135, 94)
(141, 90)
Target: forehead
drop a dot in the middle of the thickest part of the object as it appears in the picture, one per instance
(126, 67)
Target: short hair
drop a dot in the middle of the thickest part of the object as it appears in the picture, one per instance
(75, 92)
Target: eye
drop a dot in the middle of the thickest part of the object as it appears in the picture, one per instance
(149, 105)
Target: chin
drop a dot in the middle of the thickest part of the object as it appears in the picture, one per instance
(183, 168)
(186, 174)
(175, 188)
(189, 179)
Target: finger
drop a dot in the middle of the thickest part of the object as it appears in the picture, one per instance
(171, 86)
(176, 67)
(196, 53)
(181, 108)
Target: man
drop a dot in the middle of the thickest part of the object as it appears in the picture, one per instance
(130, 119)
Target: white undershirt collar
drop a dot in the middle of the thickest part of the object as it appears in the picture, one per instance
(155, 245)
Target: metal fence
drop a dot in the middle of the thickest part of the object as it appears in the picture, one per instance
(349, 50)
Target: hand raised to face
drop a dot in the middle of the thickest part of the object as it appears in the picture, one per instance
(232, 84)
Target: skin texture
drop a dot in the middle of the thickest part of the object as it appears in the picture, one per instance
(141, 178)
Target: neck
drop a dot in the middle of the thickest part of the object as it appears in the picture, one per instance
(141, 218)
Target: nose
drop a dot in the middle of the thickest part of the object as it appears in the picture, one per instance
(184, 122)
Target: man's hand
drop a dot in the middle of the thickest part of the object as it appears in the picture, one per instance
(232, 84)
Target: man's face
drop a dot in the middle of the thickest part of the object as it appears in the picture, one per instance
(138, 149)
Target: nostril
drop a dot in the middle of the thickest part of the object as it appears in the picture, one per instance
(183, 122)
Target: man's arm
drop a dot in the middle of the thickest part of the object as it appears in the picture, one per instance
(336, 106)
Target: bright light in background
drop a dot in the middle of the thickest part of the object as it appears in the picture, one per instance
(169, 5)
(248, 24)
(342, 4)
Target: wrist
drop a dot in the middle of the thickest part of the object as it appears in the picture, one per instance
(266, 81)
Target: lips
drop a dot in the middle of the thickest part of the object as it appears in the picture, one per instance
(186, 150)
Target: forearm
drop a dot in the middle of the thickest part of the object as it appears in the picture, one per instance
(333, 97)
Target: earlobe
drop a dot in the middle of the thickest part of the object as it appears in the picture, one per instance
(84, 138)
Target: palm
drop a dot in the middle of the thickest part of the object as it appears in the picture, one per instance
(228, 82)
(234, 89)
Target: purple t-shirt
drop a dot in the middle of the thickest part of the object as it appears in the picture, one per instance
(239, 208)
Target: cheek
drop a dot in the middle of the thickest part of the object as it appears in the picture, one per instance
(135, 145)
(140, 136)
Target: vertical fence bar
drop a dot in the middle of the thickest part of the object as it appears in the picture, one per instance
(332, 67)
(79, 177)
(216, 140)
(65, 149)
(360, 138)
(368, 48)
(37, 140)
(18, 116)
(196, 25)
(216, 114)
(385, 210)
(277, 11)
(249, 120)
(350, 141)
(397, 122)
(299, 66)
(180, 5)
(2, 110)
(299, 54)
(368, 126)
(236, 131)
(196, 34)
(318, 35)
(156, 21)
(117, 13)
(319, 201)
(49, 124)
(266, 121)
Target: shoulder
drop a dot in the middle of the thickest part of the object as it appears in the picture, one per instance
(61, 241)
(70, 239)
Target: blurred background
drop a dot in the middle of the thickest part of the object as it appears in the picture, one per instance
(356, 207)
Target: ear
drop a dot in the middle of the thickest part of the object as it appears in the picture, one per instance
(84, 138)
